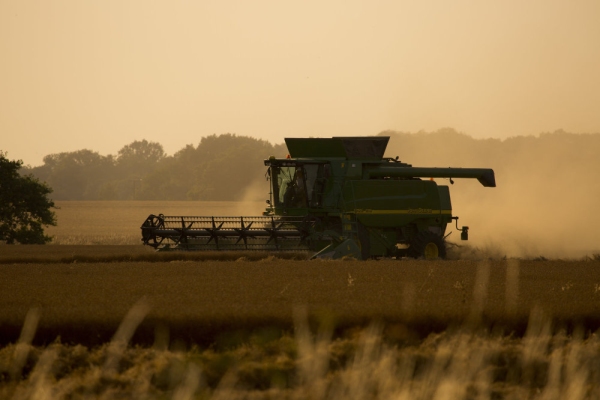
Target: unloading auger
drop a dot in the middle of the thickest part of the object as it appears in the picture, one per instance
(336, 197)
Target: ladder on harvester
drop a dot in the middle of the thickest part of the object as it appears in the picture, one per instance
(350, 226)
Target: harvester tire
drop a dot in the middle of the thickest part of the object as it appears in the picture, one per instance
(427, 245)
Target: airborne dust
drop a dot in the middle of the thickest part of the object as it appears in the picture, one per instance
(546, 199)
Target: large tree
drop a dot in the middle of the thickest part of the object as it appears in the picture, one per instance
(24, 205)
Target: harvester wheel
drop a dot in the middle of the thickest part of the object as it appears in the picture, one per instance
(427, 245)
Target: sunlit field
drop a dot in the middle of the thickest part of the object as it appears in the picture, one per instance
(117, 320)
(118, 222)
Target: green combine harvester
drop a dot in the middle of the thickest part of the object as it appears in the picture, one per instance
(335, 197)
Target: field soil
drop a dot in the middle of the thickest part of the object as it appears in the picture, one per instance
(200, 299)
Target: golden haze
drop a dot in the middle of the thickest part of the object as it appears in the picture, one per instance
(100, 74)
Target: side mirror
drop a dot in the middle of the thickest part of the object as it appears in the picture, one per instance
(464, 234)
(464, 231)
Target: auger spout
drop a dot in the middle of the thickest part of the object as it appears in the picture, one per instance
(485, 176)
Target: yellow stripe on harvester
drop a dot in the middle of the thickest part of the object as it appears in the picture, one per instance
(408, 211)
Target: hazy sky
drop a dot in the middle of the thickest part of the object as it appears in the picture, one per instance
(99, 74)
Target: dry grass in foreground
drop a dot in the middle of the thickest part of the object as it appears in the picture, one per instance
(460, 364)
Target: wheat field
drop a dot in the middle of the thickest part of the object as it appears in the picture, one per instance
(99, 316)
(119, 222)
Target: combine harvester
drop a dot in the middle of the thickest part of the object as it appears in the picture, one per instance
(336, 197)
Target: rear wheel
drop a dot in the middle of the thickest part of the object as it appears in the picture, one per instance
(427, 245)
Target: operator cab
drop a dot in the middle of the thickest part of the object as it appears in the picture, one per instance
(297, 184)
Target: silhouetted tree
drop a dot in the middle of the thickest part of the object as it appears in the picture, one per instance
(24, 205)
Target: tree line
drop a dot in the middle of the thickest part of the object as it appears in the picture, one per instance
(224, 167)
(220, 167)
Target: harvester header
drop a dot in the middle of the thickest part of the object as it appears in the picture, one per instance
(336, 197)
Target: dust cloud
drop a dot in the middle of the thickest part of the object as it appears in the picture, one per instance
(253, 200)
(546, 199)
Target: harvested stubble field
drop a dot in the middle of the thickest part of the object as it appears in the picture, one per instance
(85, 289)
(108, 321)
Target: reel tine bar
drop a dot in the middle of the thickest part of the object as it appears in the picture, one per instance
(223, 233)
